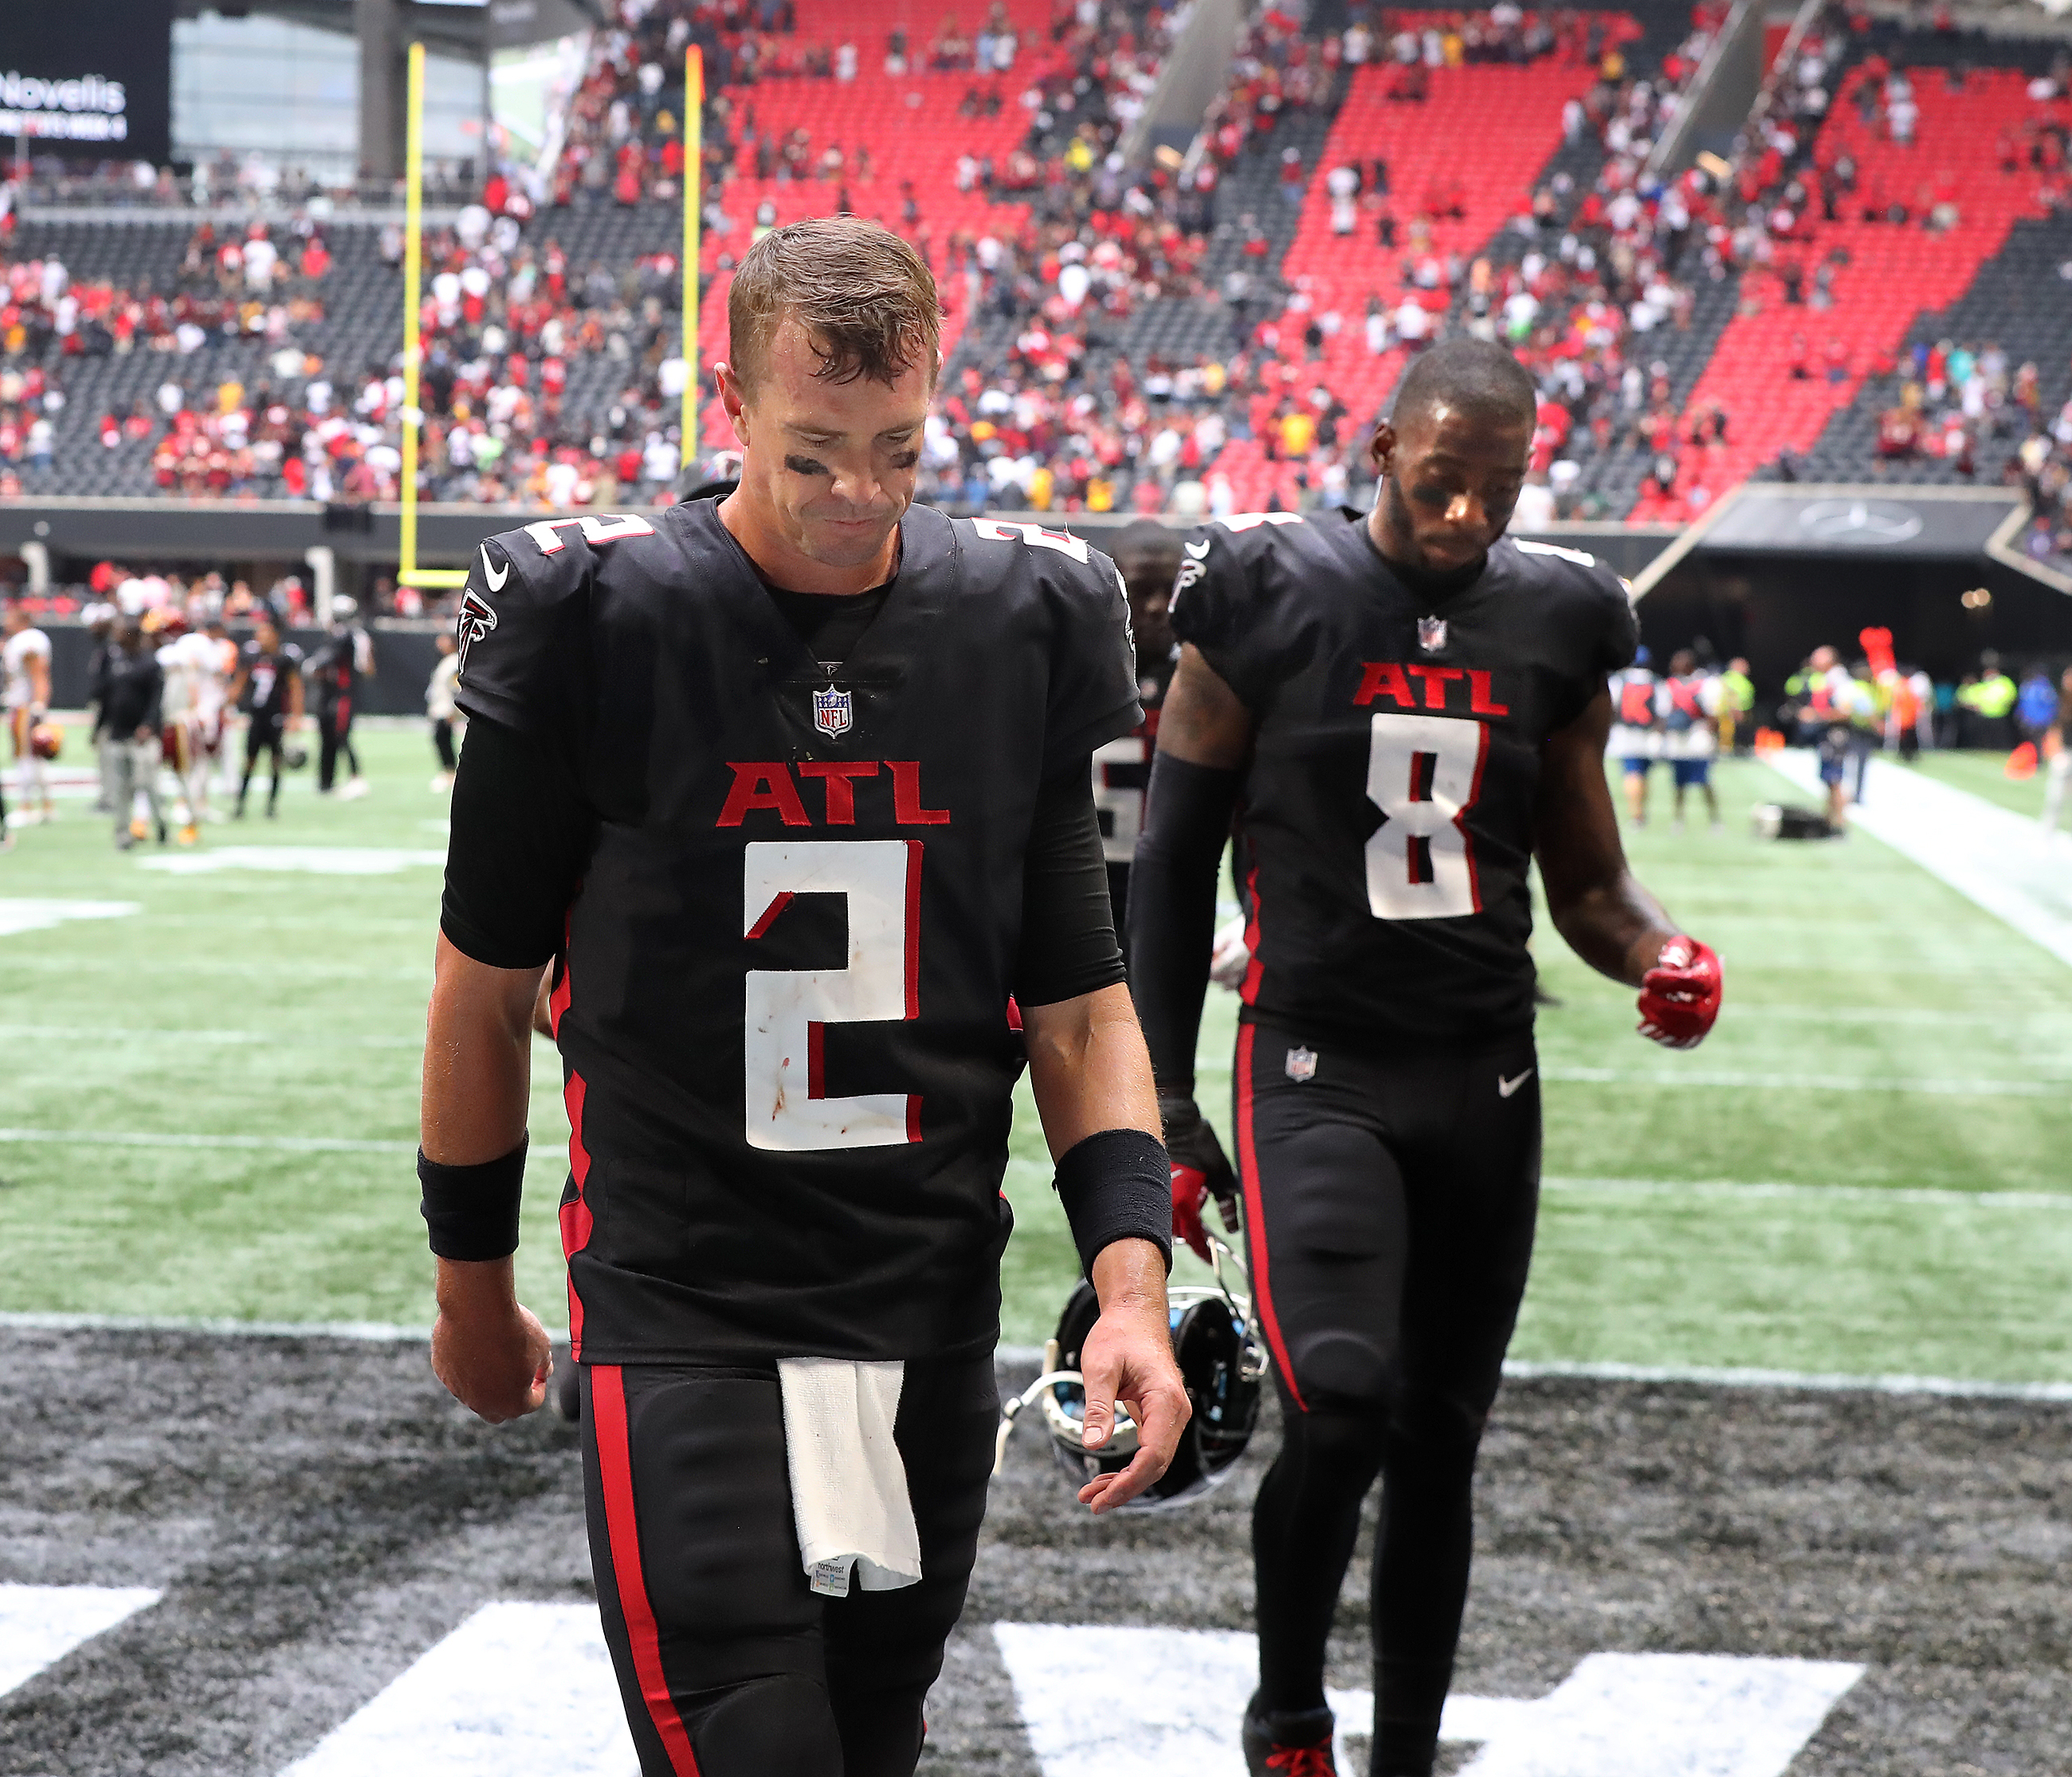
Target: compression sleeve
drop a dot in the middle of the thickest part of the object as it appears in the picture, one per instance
(1068, 945)
(521, 838)
(1172, 909)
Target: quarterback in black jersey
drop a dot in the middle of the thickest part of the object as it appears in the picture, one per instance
(1403, 711)
(789, 796)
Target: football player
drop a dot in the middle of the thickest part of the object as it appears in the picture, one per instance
(346, 657)
(1404, 709)
(269, 689)
(25, 686)
(1149, 555)
(793, 790)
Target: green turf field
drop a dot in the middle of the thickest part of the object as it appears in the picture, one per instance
(1863, 1170)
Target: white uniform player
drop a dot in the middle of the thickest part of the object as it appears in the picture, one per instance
(198, 669)
(25, 689)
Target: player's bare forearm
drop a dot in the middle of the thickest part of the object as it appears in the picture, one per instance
(490, 1353)
(1598, 905)
(1203, 720)
(1088, 1068)
(1129, 1357)
(477, 1058)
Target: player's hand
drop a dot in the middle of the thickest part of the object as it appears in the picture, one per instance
(1679, 996)
(489, 1350)
(1199, 1171)
(1127, 1357)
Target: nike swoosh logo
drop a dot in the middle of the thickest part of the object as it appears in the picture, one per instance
(1199, 551)
(489, 572)
(1506, 1087)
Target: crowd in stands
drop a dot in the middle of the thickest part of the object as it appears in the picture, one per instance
(1798, 190)
(1041, 407)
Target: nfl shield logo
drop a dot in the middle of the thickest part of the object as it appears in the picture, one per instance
(1432, 634)
(1302, 1065)
(831, 712)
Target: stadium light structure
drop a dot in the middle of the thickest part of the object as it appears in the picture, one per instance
(694, 108)
(408, 572)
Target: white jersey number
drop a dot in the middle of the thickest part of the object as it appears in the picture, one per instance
(1424, 773)
(788, 1010)
(1122, 804)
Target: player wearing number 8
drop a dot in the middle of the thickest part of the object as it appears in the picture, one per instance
(1403, 710)
(788, 796)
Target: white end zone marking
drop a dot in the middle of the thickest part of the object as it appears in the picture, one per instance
(518, 1690)
(1182, 1691)
(24, 913)
(307, 859)
(39, 1625)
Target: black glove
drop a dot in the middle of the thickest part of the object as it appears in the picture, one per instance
(1199, 1171)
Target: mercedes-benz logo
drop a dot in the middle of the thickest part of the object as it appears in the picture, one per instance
(1874, 524)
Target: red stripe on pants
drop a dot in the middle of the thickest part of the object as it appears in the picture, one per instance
(614, 1467)
(1255, 1214)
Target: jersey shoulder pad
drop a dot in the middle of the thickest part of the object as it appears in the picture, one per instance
(1591, 596)
(524, 611)
(1221, 590)
(1093, 654)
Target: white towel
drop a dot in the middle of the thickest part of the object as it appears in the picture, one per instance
(848, 1485)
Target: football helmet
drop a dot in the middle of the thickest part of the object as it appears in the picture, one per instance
(46, 740)
(1215, 1341)
(294, 757)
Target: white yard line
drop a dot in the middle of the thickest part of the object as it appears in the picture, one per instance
(1953, 1387)
(1024, 1356)
(518, 1690)
(39, 1625)
(2003, 862)
(1616, 1715)
(1812, 1083)
(272, 1040)
(1759, 1189)
(271, 1144)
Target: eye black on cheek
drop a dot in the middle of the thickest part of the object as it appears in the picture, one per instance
(805, 466)
(906, 459)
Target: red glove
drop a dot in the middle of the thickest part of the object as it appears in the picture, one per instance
(1190, 1196)
(1199, 1168)
(1679, 996)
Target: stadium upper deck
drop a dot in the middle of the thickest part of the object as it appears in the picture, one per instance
(1218, 336)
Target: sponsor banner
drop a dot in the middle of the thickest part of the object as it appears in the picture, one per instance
(91, 77)
(1936, 524)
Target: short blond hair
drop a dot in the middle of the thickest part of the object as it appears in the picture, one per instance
(866, 300)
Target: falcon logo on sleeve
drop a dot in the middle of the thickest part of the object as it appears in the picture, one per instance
(476, 619)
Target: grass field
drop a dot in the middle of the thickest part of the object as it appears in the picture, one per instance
(209, 1106)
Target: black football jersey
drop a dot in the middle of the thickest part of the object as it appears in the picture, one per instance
(1388, 813)
(269, 676)
(335, 667)
(782, 1002)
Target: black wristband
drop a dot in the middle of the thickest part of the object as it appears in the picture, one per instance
(1117, 1186)
(472, 1211)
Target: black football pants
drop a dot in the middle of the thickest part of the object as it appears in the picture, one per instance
(1389, 1206)
(335, 736)
(729, 1665)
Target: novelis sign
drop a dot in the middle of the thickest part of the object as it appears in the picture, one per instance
(90, 78)
(90, 109)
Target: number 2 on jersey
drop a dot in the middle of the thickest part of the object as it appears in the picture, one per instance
(1424, 773)
(788, 1009)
